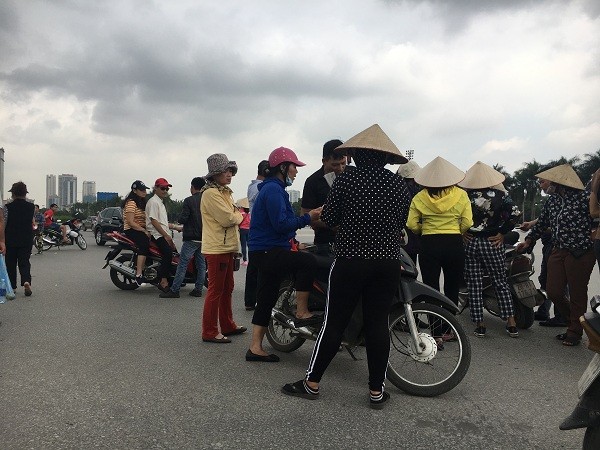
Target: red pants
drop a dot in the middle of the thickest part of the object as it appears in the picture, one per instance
(217, 305)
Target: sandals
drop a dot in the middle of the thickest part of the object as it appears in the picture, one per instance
(300, 389)
(568, 341)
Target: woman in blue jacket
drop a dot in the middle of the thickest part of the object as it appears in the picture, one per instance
(272, 225)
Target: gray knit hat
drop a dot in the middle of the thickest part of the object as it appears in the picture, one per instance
(219, 163)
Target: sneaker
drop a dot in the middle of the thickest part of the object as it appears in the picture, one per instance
(512, 332)
(169, 294)
(479, 332)
(195, 293)
(27, 288)
(139, 280)
(378, 401)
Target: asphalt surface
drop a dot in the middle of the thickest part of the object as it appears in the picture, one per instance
(84, 364)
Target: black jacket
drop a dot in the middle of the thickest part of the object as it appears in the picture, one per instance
(19, 224)
(191, 219)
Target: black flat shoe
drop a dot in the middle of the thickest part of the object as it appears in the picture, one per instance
(261, 358)
(238, 330)
(313, 320)
(553, 323)
(299, 389)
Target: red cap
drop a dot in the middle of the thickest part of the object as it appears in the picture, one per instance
(283, 154)
(161, 182)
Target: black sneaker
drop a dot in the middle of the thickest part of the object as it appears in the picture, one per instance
(300, 389)
(378, 401)
(139, 280)
(479, 332)
(195, 293)
(512, 332)
(169, 294)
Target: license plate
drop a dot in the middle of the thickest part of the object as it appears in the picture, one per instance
(525, 289)
(590, 374)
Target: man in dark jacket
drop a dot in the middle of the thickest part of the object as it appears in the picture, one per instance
(19, 234)
(192, 242)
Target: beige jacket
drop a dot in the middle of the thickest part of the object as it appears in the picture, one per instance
(220, 220)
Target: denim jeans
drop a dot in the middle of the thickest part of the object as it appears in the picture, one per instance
(190, 249)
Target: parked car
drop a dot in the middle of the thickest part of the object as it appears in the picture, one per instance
(109, 219)
(89, 223)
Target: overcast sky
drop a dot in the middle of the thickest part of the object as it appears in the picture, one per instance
(114, 91)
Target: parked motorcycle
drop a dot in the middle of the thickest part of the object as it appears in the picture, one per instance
(420, 362)
(519, 269)
(50, 238)
(123, 266)
(587, 412)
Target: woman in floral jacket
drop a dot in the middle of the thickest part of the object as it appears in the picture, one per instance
(572, 259)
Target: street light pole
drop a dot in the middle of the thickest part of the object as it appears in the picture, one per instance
(524, 197)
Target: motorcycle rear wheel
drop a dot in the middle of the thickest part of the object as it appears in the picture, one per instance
(524, 316)
(281, 338)
(80, 241)
(121, 281)
(435, 371)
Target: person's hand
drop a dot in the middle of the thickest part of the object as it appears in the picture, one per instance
(315, 214)
(170, 242)
(467, 237)
(497, 240)
(526, 226)
(523, 246)
(301, 246)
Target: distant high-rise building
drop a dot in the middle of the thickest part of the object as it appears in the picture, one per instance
(51, 196)
(67, 189)
(294, 196)
(1, 173)
(89, 192)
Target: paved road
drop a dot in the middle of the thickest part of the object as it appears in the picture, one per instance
(83, 364)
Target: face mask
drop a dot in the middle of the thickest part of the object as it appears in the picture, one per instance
(288, 181)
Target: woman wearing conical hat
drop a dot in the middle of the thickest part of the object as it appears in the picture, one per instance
(572, 259)
(408, 172)
(369, 205)
(441, 213)
(494, 215)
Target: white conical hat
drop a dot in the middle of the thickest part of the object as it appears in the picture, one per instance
(373, 138)
(439, 173)
(409, 170)
(243, 202)
(500, 187)
(563, 174)
(480, 176)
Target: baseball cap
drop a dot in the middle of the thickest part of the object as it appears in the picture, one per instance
(162, 182)
(139, 185)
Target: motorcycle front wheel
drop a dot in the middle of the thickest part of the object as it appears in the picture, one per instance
(280, 337)
(435, 370)
(81, 242)
(524, 316)
(122, 281)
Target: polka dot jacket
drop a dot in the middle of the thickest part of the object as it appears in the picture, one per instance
(370, 206)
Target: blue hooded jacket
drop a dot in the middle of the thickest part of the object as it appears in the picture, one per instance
(273, 222)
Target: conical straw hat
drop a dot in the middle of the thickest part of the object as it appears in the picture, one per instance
(409, 170)
(480, 176)
(500, 187)
(439, 173)
(243, 203)
(373, 138)
(563, 174)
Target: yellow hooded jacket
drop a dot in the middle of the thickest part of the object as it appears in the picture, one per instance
(450, 213)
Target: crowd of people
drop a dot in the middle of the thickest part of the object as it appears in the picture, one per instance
(362, 214)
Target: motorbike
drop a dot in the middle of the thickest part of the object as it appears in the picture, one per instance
(123, 265)
(420, 362)
(587, 412)
(49, 238)
(525, 295)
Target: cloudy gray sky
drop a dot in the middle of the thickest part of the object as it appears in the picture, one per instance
(117, 90)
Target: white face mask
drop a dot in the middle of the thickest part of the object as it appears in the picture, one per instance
(288, 181)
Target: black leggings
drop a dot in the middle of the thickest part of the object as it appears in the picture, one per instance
(443, 252)
(375, 282)
(166, 257)
(141, 240)
(273, 265)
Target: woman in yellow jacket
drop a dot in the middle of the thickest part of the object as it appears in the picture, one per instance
(220, 244)
(441, 213)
